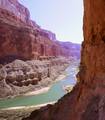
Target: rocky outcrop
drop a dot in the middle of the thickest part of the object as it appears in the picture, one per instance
(20, 77)
(87, 99)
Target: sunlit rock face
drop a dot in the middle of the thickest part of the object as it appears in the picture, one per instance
(87, 99)
(20, 37)
(24, 43)
(19, 10)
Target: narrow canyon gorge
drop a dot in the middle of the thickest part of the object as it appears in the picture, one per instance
(30, 57)
(87, 99)
(25, 48)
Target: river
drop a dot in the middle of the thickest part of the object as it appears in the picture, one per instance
(55, 92)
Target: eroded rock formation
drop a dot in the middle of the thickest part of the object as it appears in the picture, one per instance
(87, 99)
(20, 77)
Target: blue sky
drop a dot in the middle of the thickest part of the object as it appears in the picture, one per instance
(63, 17)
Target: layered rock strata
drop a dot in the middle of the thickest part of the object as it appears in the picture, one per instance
(24, 43)
(20, 77)
(87, 99)
(21, 38)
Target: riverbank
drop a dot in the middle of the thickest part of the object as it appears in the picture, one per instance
(35, 93)
(45, 89)
(27, 107)
(53, 92)
(41, 88)
(21, 77)
(32, 98)
(17, 113)
(32, 102)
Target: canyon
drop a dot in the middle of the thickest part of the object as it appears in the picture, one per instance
(25, 40)
(30, 57)
(87, 99)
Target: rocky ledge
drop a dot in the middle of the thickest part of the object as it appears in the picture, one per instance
(20, 77)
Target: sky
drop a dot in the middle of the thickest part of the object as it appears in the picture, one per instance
(62, 17)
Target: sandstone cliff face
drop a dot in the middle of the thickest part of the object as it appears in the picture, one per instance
(24, 43)
(87, 99)
(21, 38)
(17, 9)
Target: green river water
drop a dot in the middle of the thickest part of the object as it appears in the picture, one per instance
(55, 92)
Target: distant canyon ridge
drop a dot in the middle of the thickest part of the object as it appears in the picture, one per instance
(21, 38)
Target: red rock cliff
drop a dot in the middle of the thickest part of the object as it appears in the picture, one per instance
(17, 9)
(21, 38)
(87, 100)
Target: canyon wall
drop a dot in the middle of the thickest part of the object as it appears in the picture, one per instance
(70, 49)
(28, 54)
(21, 38)
(24, 43)
(17, 9)
(87, 99)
